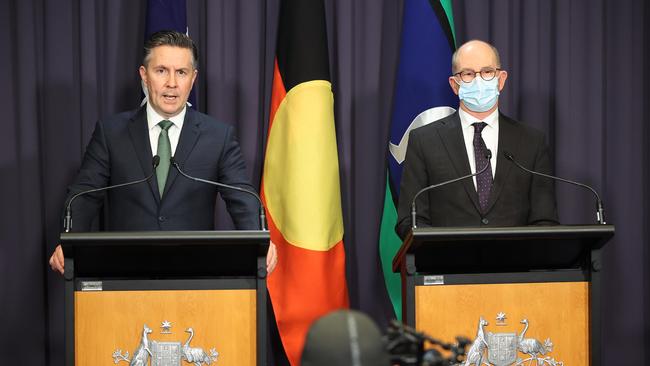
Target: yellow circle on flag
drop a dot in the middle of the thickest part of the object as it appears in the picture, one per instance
(301, 169)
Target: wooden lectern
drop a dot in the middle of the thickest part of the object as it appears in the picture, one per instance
(165, 297)
(537, 287)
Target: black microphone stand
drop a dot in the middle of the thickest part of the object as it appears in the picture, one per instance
(228, 186)
(67, 224)
(488, 156)
(600, 211)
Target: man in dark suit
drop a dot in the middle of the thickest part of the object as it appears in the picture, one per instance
(502, 195)
(122, 149)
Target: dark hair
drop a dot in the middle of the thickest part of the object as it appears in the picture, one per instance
(170, 38)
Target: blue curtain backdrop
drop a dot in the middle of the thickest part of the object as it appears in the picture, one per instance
(578, 69)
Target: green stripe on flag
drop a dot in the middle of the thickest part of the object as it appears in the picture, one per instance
(389, 244)
(446, 4)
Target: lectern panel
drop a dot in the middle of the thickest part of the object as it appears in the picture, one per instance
(557, 312)
(215, 324)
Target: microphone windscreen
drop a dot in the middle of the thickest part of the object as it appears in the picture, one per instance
(155, 161)
(344, 337)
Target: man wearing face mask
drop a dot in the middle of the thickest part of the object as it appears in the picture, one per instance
(457, 145)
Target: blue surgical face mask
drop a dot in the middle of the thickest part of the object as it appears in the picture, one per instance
(479, 95)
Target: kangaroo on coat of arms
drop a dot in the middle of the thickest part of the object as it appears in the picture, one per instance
(141, 354)
(476, 351)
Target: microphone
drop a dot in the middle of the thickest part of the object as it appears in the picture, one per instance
(600, 211)
(68, 216)
(228, 186)
(488, 156)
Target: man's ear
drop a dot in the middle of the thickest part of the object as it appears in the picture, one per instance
(503, 75)
(143, 74)
(195, 73)
(453, 84)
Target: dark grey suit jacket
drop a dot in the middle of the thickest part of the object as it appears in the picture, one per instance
(436, 153)
(120, 151)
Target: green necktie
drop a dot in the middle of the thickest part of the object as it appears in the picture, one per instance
(165, 154)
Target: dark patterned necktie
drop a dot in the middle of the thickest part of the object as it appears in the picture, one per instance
(483, 180)
(165, 153)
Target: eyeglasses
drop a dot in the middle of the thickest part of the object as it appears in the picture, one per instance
(487, 74)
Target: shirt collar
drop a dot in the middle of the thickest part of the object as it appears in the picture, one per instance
(467, 119)
(153, 118)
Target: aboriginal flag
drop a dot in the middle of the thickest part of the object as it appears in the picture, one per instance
(300, 183)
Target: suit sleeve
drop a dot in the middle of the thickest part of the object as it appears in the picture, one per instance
(414, 178)
(242, 207)
(542, 191)
(94, 173)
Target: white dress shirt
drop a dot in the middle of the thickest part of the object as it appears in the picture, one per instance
(174, 132)
(490, 135)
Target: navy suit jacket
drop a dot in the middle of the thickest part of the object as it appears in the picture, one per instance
(436, 153)
(119, 151)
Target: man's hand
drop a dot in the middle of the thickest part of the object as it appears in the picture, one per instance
(56, 260)
(271, 258)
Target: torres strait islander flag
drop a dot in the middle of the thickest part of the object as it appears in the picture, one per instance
(300, 182)
(422, 95)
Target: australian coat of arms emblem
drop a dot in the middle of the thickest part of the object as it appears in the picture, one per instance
(503, 349)
(155, 353)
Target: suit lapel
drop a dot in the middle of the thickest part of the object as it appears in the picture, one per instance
(186, 142)
(509, 137)
(452, 138)
(139, 135)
